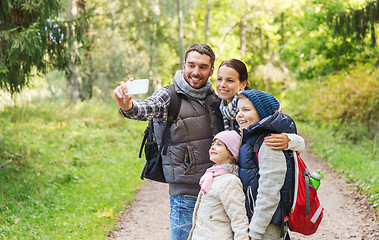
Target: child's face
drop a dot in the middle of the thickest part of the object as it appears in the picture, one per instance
(219, 154)
(246, 114)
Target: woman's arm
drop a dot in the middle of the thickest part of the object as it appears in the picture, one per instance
(284, 141)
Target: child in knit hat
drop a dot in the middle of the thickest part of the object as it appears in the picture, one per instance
(220, 208)
(263, 170)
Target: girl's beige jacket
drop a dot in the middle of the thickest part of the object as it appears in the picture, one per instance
(220, 213)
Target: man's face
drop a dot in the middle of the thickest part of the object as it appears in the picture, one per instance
(197, 69)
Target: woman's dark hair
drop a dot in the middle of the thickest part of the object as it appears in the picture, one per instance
(237, 65)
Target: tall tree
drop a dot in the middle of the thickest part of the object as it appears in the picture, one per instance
(72, 69)
(180, 31)
(208, 18)
(358, 23)
(130, 39)
(33, 39)
(243, 30)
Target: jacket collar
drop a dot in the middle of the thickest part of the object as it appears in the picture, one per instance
(275, 123)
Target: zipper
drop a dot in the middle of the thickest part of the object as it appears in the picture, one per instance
(250, 199)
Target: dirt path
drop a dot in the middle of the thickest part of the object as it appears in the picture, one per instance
(347, 214)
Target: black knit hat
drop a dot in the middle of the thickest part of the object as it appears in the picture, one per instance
(263, 102)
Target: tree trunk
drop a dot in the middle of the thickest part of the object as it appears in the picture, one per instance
(180, 30)
(243, 36)
(262, 41)
(72, 71)
(85, 80)
(373, 35)
(282, 28)
(243, 30)
(207, 22)
(193, 24)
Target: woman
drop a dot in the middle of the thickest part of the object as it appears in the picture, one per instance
(232, 78)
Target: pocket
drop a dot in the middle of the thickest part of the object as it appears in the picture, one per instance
(189, 166)
(151, 150)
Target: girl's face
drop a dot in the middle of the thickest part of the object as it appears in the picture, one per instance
(228, 83)
(219, 154)
(246, 113)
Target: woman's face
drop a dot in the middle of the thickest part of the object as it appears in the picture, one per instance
(228, 83)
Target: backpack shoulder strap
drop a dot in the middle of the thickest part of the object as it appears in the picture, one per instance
(149, 129)
(175, 103)
(258, 143)
(173, 112)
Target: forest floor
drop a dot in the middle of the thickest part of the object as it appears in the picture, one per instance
(347, 214)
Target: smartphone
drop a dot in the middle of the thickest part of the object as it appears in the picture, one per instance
(139, 86)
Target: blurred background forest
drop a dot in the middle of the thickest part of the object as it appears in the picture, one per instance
(83, 49)
(320, 58)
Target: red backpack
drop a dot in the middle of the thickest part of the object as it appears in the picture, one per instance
(306, 212)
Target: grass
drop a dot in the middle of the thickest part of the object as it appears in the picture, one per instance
(359, 162)
(66, 171)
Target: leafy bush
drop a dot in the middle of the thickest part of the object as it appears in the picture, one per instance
(347, 101)
(339, 115)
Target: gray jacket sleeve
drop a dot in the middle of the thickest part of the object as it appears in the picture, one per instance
(296, 144)
(272, 171)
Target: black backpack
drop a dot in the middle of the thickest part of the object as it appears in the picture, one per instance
(153, 168)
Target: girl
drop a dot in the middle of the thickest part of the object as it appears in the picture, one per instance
(232, 78)
(220, 208)
(263, 174)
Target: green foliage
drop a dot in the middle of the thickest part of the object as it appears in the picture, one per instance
(34, 36)
(346, 100)
(140, 39)
(313, 49)
(356, 23)
(129, 39)
(66, 171)
(341, 115)
(359, 162)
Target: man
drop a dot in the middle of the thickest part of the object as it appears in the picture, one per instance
(191, 135)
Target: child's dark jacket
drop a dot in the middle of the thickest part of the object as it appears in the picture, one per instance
(249, 168)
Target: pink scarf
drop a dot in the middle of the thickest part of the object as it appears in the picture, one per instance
(207, 179)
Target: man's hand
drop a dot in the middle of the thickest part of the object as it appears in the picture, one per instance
(277, 141)
(123, 100)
